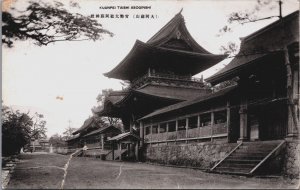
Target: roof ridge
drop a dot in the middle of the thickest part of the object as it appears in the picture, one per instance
(176, 19)
(269, 26)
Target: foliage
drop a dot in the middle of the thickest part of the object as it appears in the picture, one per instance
(15, 131)
(38, 129)
(57, 140)
(68, 132)
(243, 17)
(45, 23)
(18, 129)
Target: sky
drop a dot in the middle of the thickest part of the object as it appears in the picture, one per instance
(33, 76)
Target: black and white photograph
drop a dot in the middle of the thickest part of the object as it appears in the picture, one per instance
(111, 94)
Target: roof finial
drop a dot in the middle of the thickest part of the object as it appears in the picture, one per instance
(180, 11)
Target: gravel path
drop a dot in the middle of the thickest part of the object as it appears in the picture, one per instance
(41, 171)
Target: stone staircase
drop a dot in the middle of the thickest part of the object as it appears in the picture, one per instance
(248, 157)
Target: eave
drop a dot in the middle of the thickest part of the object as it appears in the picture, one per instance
(144, 56)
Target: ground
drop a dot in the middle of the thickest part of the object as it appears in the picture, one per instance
(36, 170)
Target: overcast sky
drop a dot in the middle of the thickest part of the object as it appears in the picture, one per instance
(34, 76)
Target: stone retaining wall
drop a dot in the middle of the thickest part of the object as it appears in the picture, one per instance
(291, 166)
(202, 155)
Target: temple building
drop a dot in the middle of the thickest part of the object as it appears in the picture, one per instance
(160, 73)
(258, 114)
(250, 126)
(94, 134)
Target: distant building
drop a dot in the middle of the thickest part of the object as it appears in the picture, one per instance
(39, 145)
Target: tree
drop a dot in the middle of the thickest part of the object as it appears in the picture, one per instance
(244, 17)
(15, 130)
(101, 98)
(19, 128)
(68, 132)
(45, 23)
(38, 129)
(57, 140)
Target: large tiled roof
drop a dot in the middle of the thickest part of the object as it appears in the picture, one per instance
(266, 41)
(171, 47)
(102, 130)
(124, 135)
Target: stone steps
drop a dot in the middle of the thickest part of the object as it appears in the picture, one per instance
(246, 157)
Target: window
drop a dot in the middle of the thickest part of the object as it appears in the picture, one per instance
(220, 117)
(147, 130)
(205, 119)
(172, 126)
(193, 121)
(154, 129)
(181, 124)
(163, 127)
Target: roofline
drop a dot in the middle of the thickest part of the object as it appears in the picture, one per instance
(269, 26)
(166, 25)
(217, 77)
(189, 102)
(145, 45)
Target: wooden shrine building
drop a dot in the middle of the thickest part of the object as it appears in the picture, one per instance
(244, 128)
(160, 73)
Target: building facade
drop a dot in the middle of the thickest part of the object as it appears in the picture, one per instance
(246, 128)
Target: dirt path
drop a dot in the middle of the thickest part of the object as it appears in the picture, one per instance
(46, 171)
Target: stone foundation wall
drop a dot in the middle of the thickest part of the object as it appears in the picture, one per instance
(291, 165)
(202, 155)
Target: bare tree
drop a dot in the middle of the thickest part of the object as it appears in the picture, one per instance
(246, 16)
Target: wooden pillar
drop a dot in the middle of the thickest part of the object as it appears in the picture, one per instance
(176, 129)
(158, 128)
(128, 150)
(131, 126)
(167, 131)
(212, 118)
(142, 133)
(198, 125)
(112, 149)
(291, 89)
(228, 121)
(243, 119)
(137, 151)
(186, 128)
(102, 141)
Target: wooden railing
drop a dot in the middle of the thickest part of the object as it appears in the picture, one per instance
(209, 131)
(169, 78)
